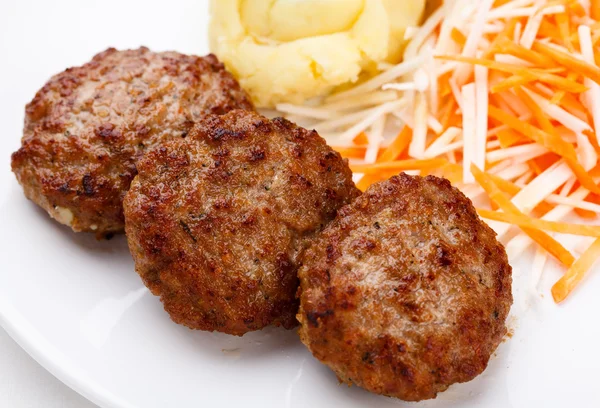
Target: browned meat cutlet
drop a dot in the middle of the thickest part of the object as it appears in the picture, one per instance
(87, 127)
(216, 222)
(407, 291)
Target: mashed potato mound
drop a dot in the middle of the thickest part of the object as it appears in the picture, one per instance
(293, 50)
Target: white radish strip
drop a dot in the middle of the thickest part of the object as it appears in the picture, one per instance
(516, 12)
(400, 86)
(456, 93)
(473, 40)
(445, 138)
(434, 125)
(375, 140)
(445, 42)
(359, 101)
(421, 80)
(587, 50)
(559, 114)
(533, 25)
(469, 127)
(539, 189)
(369, 120)
(516, 151)
(481, 112)
(431, 69)
(516, 246)
(426, 30)
(496, 168)
(315, 113)
(584, 205)
(446, 66)
(511, 59)
(517, 33)
(566, 189)
(451, 157)
(443, 150)
(537, 268)
(497, 129)
(344, 120)
(416, 148)
(494, 144)
(542, 186)
(377, 81)
(522, 181)
(512, 171)
(586, 153)
(556, 214)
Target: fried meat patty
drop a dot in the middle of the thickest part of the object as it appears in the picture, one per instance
(216, 221)
(407, 291)
(87, 127)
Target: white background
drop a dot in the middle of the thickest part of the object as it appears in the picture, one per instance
(24, 383)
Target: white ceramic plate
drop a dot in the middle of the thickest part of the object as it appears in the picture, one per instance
(76, 305)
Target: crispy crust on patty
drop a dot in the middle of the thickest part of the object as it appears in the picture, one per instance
(87, 127)
(216, 221)
(407, 291)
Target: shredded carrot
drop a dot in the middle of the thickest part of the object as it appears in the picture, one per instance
(549, 141)
(507, 46)
(575, 274)
(517, 100)
(595, 9)
(544, 240)
(361, 139)
(529, 222)
(574, 64)
(538, 113)
(509, 137)
(393, 151)
(352, 152)
(458, 37)
(562, 21)
(398, 165)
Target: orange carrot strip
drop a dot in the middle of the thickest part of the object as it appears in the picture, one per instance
(398, 165)
(544, 240)
(352, 152)
(509, 137)
(548, 30)
(576, 272)
(557, 97)
(577, 9)
(446, 113)
(398, 146)
(539, 115)
(568, 61)
(529, 222)
(595, 9)
(458, 37)
(562, 21)
(551, 142)
(392, 152)
(582, 175)
(511, 82)
(501, 66)
(507, 46)
(361, 139)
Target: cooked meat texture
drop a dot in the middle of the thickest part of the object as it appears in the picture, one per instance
(88, 126)
(407, 291)
(216, 221)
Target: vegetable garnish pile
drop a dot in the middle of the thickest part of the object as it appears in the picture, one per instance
(502, 98)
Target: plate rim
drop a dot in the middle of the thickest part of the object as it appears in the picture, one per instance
(24, 334)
